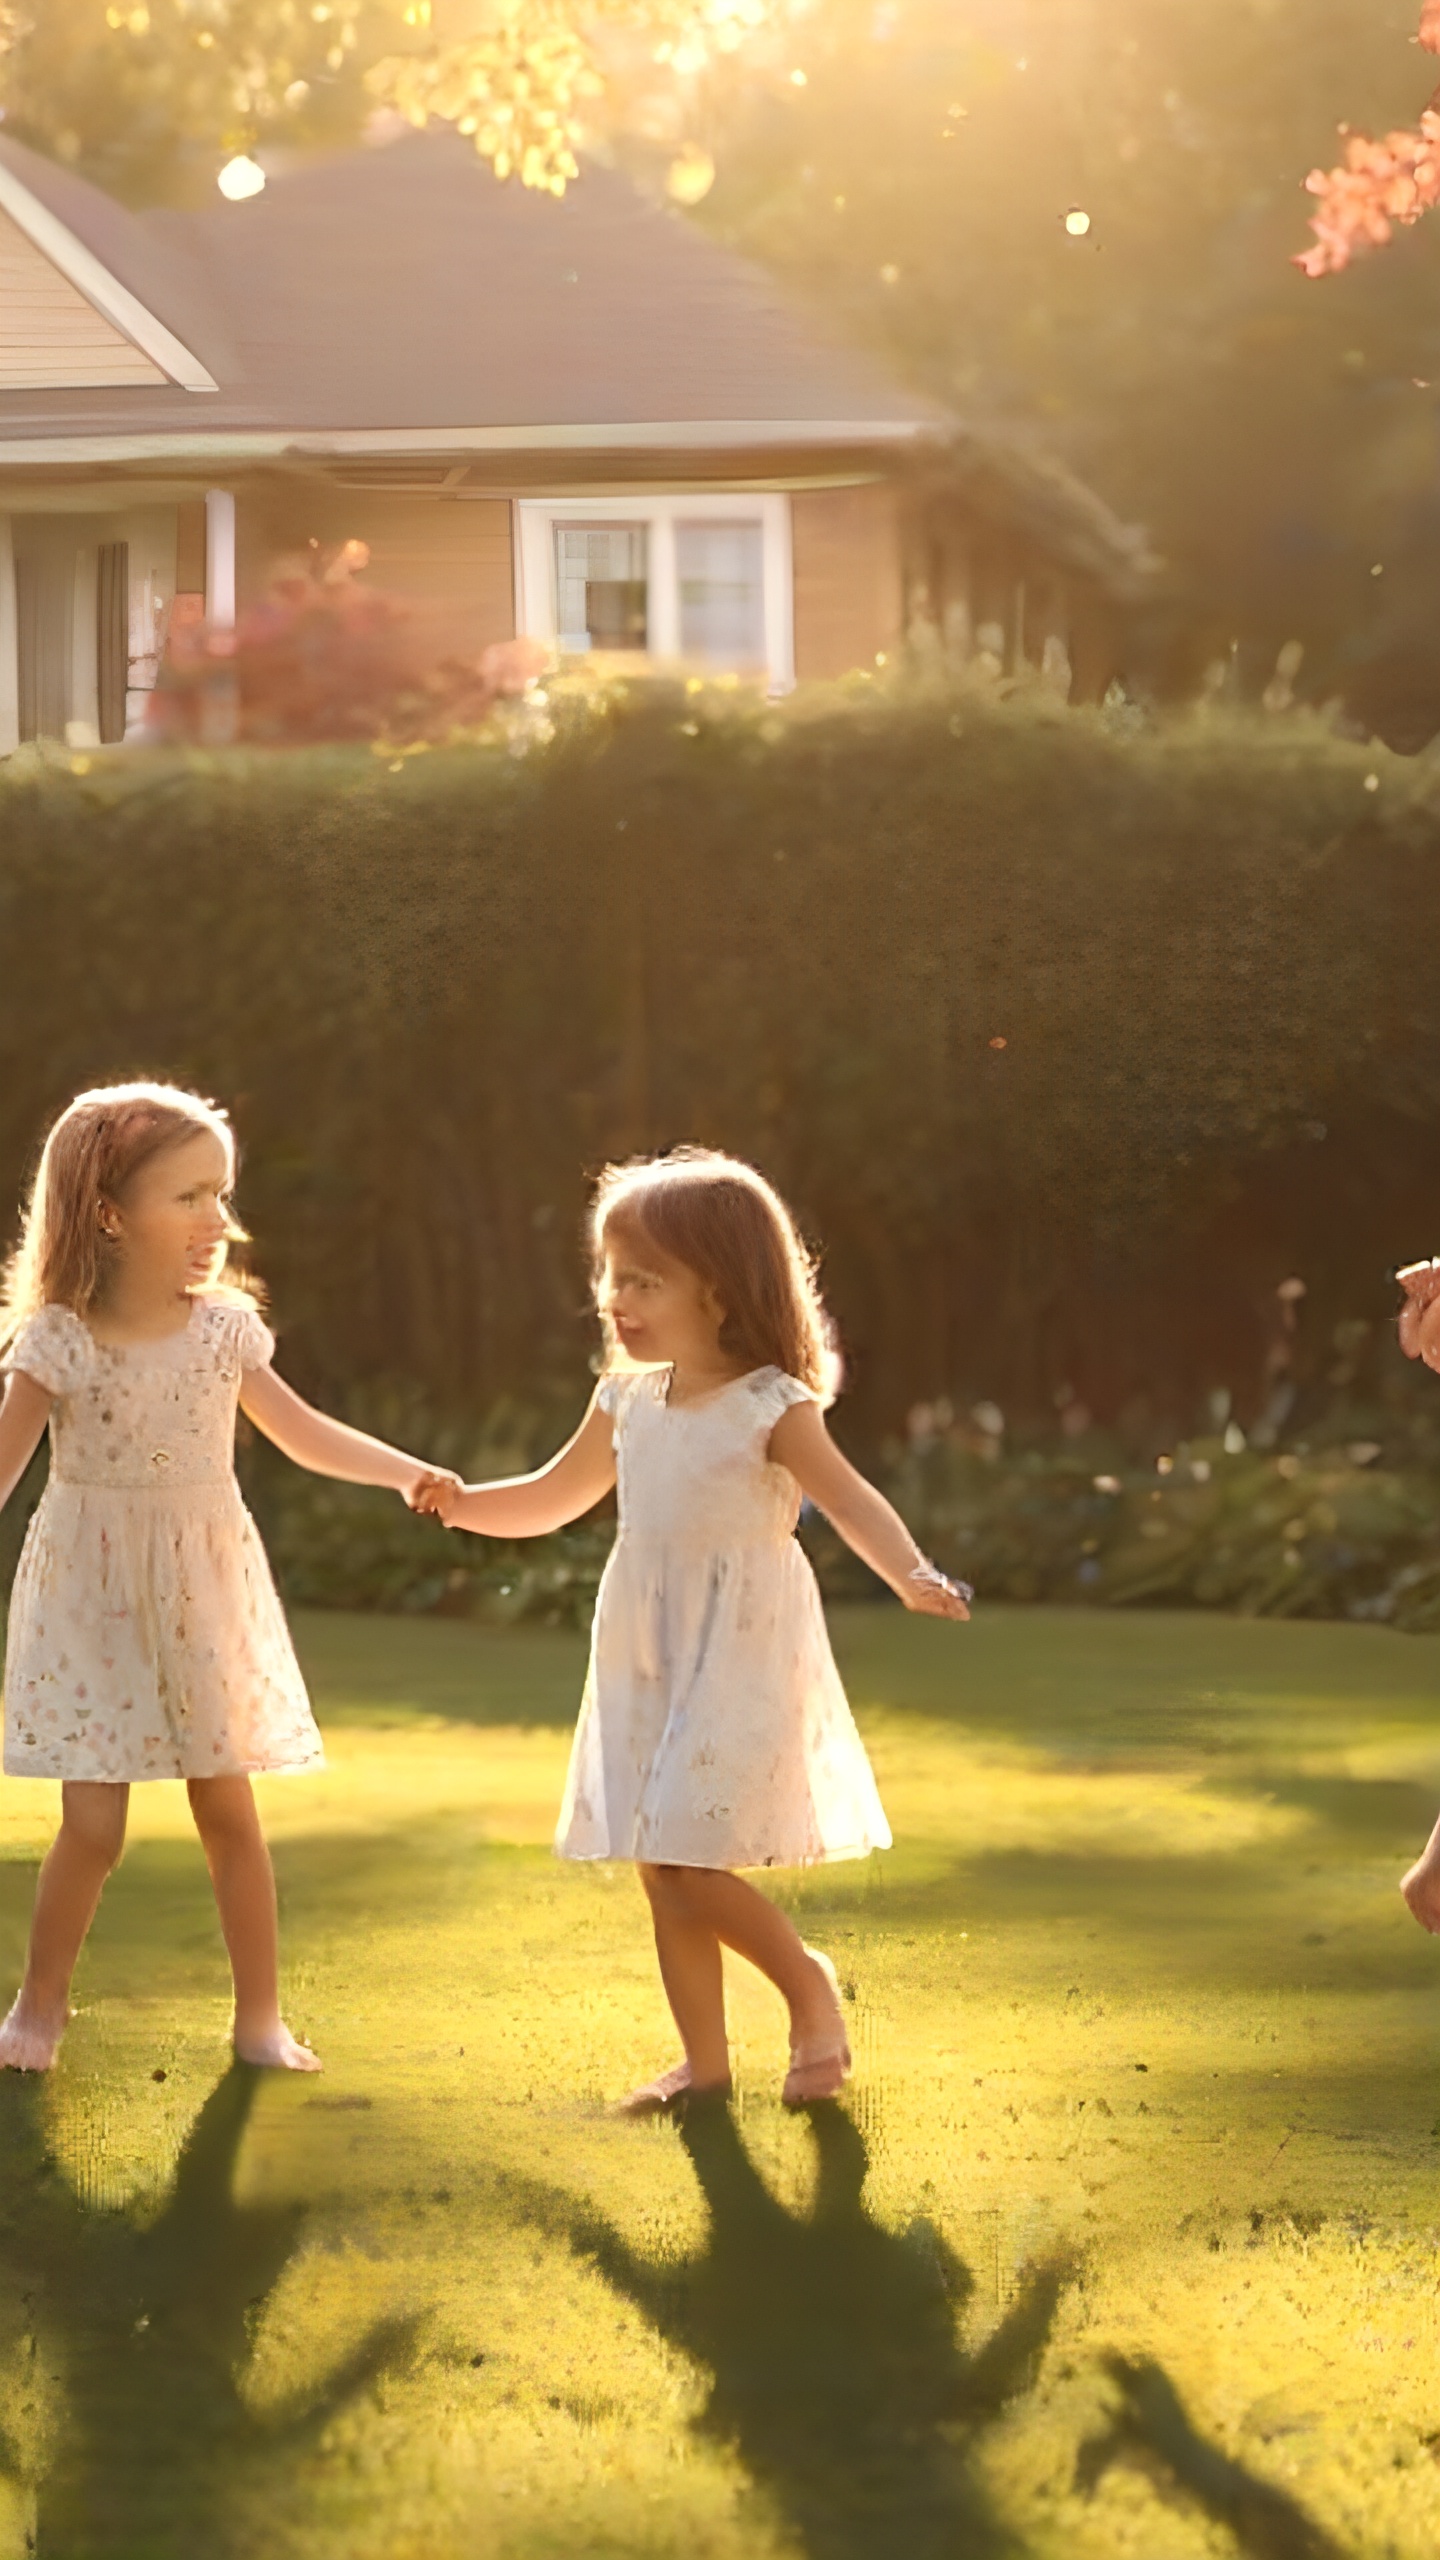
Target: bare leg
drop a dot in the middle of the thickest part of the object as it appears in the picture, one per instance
(689, 1953)
(244, 1882)
(85, 1849)
(696, 1911)
(1421, 1886)
(744, 1920)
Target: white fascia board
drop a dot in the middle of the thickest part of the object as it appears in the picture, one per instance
(99, 287)
(687, 435)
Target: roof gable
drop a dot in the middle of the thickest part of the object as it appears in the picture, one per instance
(51, 338)
(67, 323)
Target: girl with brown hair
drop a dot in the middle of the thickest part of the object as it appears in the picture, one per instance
(145, 1638)
(714, 1733)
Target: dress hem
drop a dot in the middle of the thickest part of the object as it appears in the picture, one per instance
(716, 1866)
(157, 1777)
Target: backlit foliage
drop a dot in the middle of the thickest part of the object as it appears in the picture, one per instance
(134, 90)
(520, 76)
(1378, 184)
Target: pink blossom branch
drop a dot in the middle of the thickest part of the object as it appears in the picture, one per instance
(1378, 185)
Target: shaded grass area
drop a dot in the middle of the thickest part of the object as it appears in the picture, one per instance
(1124, 2242)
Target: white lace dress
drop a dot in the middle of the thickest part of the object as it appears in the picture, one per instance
(145, 1636)
(714, 1730)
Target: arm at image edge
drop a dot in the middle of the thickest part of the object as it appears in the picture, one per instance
(24, 1412)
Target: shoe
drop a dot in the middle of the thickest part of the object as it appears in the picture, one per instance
(662, 2097)
(817, 1956)
(825, 2077)
(825, 2074)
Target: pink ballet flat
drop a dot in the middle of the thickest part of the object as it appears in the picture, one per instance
(661, 2097)
(825, 2077)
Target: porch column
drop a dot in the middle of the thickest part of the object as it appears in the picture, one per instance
(220, 559)
(82, 725)
(662, 614)
(220, 711)
(9, 643)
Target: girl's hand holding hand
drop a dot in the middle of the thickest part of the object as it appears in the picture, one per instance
(932, 1594)
(435, 1492)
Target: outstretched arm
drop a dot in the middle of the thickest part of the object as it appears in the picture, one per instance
(865, 1520)
(23, 1416)
(326, 1447)
(530, 1506)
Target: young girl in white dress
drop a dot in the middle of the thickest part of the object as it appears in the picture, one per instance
(1419, 1330)
(714, 1733)
(145, 1638)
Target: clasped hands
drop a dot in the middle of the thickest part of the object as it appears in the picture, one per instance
(1418, 1336)
(435, 1491)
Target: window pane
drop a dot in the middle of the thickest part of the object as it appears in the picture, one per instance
(722, 594)
(601, 586)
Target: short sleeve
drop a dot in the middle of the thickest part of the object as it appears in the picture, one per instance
(55, 1349)
(237, 1334)
(620, 1388)
(775, 1393)
(616, 1389)
(254, 1341)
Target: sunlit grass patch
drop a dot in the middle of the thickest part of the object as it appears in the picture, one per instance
(1125, 2243)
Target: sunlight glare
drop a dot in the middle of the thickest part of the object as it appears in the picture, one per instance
(240, 177)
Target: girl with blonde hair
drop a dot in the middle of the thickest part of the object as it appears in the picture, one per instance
(145, 1638)
(714, 1733)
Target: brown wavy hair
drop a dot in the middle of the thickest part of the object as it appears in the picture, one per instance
(724, 1222)
(90, 1156)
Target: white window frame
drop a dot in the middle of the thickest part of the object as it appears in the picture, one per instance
(535, 599)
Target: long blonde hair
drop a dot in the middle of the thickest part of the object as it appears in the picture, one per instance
(91, 1153)
(724, 1222)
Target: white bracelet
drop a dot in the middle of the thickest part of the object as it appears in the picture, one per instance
(929, 1576)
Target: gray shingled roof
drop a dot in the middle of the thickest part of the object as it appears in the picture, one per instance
(405, 288)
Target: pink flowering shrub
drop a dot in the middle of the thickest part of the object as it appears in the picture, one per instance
(1378, 184)
(322, 656)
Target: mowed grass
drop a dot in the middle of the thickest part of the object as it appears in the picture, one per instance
(1123, 2243)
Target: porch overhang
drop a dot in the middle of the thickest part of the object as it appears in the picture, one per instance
(66, 451)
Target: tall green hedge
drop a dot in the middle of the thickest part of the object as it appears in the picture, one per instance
(1070, 1036)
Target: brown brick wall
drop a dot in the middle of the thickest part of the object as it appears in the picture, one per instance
(450, 558)
(848, 585)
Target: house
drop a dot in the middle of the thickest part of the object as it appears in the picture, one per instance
(580, 420)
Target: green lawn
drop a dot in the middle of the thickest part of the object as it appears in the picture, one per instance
(1146, 2109)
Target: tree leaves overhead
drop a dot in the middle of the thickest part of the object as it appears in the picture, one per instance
(522, 77)
(1278, 442)
(149, 96)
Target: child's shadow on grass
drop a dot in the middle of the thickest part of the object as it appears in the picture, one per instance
(837, 2374)
(839, 2379)
(1150, 2429)
(127, 2423)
